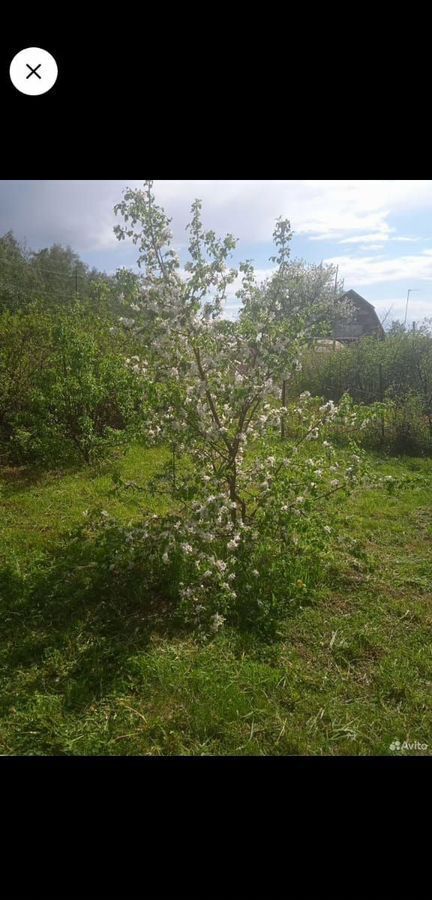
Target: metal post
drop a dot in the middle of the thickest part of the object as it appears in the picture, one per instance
(411, 291)
(334, 310)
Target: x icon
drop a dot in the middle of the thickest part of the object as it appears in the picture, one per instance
(33, 71)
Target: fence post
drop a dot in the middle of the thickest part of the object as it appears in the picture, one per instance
(173, 466)
(284, 384)
(381, 394)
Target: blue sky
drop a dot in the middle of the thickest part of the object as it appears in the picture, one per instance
(379, 232)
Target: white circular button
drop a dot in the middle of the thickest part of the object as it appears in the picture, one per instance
(33, 71)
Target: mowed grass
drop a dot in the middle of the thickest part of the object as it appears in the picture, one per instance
(38, 507)
(348, 674)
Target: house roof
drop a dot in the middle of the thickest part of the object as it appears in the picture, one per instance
(355, 297)
(367, 319)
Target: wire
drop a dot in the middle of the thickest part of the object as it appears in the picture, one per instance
(18, 288)
(10, 262)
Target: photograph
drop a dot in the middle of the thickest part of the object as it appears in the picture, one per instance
(215, 465)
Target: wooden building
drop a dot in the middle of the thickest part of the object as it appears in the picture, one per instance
(362, 322)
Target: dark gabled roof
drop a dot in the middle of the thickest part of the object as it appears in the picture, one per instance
(356, 298)
(353, 295)
(365, 311)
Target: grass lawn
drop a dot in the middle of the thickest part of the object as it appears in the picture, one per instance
(350, 672)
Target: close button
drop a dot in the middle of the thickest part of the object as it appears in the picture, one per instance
(33, 71)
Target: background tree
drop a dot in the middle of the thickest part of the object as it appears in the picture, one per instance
(16, 280)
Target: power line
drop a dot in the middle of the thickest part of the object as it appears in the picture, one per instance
(19, 288)
(42, 270)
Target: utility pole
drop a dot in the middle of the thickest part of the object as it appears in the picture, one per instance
(411, 291)
(76, 279)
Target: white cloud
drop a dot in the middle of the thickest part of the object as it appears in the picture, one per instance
(81, 212)
(368, 247)
(349, 211)
(375, 240)
(329, 210)
(362, 270)
(367, 238)
(418, 309)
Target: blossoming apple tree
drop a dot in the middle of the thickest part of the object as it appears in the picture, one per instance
(223, 410)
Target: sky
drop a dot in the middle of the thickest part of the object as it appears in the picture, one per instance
(378, 232)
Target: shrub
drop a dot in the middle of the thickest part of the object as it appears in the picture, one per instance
(396, 372)
(66, 391)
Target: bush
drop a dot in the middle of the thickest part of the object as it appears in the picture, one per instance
(66, 393)
(125, 565)
(396, 372)
(399, 427)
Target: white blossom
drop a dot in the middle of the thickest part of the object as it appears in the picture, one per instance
(217, 621)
